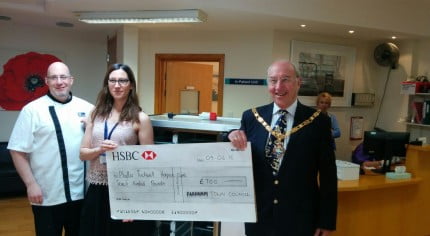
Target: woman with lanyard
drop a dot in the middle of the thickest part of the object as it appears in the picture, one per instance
(117, 119)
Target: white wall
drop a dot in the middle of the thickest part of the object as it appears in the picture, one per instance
(128, 47)
(85, 53)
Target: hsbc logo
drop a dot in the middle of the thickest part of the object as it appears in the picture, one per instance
(149, 155)
(125, 156)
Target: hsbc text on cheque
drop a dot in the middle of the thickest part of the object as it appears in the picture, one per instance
(181, 182)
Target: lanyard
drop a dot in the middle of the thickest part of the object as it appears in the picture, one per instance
(106, 135)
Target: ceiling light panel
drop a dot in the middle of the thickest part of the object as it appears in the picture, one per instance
(130, 17)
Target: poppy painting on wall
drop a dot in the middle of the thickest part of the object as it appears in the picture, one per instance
(23, 79)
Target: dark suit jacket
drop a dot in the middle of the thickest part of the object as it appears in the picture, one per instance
(306, 189)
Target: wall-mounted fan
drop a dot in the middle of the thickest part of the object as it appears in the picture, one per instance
(387, 54)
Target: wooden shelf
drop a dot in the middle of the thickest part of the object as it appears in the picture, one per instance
(418, 125)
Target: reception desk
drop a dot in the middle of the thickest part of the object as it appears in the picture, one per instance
(374, 205)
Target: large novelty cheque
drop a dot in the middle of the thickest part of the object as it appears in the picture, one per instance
(181, 182)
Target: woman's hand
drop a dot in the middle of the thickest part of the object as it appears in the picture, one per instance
(374, 164)
(108, 145)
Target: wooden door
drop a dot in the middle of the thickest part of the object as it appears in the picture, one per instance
(183, 75)
(161, 61)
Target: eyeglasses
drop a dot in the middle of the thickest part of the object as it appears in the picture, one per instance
(121, 82)
(61, 77)
(283, 80)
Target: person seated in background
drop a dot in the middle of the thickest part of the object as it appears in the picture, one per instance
(323, 103)
(364, 160)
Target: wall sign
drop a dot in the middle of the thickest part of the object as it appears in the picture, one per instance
(239, 81)
(357, 126)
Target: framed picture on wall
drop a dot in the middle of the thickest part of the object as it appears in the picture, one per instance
(324, 68)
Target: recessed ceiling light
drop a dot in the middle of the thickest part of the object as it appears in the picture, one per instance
(64, 24)
(351, 31)
(393, 37)
(5, 18)
(303, 25)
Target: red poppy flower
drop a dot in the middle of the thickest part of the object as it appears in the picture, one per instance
(23, 79)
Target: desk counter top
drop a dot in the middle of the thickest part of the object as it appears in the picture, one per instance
(189, 122)
(424, 148)
(370, 182)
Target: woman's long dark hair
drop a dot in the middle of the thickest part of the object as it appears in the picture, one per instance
(104, 104)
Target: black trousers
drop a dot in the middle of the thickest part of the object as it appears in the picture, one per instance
(269, 229)
(50, 220)
(254, 229)
(96, 217)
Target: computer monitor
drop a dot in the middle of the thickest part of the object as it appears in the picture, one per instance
(384, 145)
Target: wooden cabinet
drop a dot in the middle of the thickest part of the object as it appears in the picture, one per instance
(418, 163)
(374, 205)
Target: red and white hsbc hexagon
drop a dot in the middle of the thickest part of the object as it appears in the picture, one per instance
(149, 155)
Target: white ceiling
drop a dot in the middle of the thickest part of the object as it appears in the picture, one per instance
(370, 19)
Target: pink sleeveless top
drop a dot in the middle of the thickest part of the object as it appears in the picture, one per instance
(123, 134)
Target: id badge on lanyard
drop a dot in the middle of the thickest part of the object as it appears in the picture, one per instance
(107, 135)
